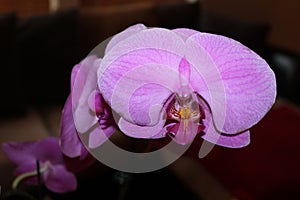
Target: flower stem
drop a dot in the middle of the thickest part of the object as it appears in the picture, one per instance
(39, 179)
(23, 176)
(123, 179)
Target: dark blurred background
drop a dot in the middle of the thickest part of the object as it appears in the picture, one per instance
(41, 40)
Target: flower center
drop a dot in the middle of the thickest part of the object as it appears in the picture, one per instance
(184, 112)
(184, 108)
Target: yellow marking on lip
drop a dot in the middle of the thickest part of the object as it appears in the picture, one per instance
(185, 112)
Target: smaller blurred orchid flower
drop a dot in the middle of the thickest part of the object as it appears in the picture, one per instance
(85, 111)
(47, 154)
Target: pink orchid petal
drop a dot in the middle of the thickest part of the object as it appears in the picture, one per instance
(151, 46)
(240, 84)
(212, 136)
(74, 74)
(123, 35)
(59, 180)
(185, 33)
(99, 135)
(236, 141)
(84, 86)
(158, 39)
(92, 101)
(142, 92)
(184, 132)
(143, 101)
(70, 143)
(136, 131)
(184, 70)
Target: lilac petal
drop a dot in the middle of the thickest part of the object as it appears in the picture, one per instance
(156, 39)
(185, 33)
(231, 141)
(184, 70)
(59, 180)
(138, 52)
(99, 135)
(235, 76)
(137, 131)
(92, 102)
(74, 74)
(140, 94)
(212, 135)
(84, 85)
(19, 152)
(143, 101)
(123, 35)
(70, 143)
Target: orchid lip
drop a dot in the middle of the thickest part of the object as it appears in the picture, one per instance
(184, 116)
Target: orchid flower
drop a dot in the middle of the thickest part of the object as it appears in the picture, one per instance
(183, 82)
(85, 111)
(52, 170)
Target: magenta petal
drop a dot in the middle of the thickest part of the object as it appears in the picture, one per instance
(236, 77)
(19, 152)
(43, 154)
(22, 152)
(85, 84)
(123, 35)
(70, 143)
(26, 166)
(59, 180)
(99, 135)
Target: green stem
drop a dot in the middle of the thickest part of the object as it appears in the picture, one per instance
(23, 176)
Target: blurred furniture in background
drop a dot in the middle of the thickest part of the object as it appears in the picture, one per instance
(37, 56)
